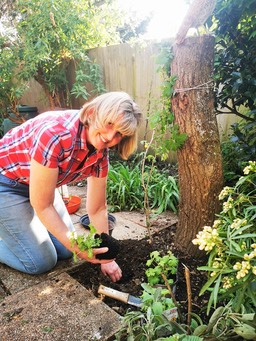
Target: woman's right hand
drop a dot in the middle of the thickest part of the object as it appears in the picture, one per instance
(94, 260)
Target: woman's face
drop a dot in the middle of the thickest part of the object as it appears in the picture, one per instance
(105, 137)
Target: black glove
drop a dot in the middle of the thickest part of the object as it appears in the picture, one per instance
(111, 243)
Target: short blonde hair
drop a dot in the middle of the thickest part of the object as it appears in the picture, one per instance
(120, 109)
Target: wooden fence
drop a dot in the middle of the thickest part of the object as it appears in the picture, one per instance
(132, 69)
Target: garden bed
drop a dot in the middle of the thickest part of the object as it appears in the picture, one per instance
(132, 260)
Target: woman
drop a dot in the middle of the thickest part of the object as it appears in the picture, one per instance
(51, 150)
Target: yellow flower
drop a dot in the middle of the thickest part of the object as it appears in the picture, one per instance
(227, 205)
(227, 283)
(207, 238)
(244, 269)
(237, 266)
(237, 223)
(225, 192)
(250, 168)
(217, 223)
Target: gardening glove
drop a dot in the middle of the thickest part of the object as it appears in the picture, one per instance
(112, 270)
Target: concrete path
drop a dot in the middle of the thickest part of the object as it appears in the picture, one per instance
(54, 306)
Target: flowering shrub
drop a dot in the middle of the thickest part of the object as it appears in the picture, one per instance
(231, 245)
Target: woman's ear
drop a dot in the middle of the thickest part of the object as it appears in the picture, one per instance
(89, 117)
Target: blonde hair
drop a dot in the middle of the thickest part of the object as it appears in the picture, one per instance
(120, 109)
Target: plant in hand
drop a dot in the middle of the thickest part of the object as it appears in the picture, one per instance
(231, 245)
(94, 240)
(85, 242)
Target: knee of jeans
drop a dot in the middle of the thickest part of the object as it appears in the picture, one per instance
(64, 254)
(41, 266)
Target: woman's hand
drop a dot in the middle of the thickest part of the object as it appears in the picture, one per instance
(94, 260)
(112, 270)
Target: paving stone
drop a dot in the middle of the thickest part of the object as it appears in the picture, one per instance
(56, 309)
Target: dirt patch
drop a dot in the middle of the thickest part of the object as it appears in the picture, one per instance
(132, 259)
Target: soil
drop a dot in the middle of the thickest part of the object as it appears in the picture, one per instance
(132, 259)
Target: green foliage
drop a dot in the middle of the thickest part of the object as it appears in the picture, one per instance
(231, 245)
(53, 37)
(156, 298)
(157, 320)
(85, 242)
(235, 67)
(49, 39)
(225, 324)
(161, 118)
(12, 86)
(124, 188)
(140, 326)
(238, 150)
(158, 265)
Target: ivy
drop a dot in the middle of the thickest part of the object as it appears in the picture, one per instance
(161, 120)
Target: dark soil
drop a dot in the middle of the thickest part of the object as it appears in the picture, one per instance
(132, 259)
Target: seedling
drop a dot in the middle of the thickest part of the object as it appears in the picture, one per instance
(161, 268)
(85, 242)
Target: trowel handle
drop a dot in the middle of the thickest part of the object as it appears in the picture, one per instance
(118, 295)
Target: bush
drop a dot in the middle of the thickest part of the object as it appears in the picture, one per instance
(231, 245)
(238, 150)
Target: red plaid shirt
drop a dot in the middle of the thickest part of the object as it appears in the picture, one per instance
(54, 139)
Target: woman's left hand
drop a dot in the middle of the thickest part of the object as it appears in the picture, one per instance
(112, 270)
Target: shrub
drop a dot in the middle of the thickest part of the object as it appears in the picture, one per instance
(231, 245)
(238, 150)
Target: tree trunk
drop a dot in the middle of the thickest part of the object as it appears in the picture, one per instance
(199, 160)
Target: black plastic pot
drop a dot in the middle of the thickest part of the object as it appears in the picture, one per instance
(25, 111)
(85, 221)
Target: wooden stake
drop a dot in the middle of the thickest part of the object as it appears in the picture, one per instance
(188, 285)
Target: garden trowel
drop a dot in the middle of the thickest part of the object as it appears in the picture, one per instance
(120, 296)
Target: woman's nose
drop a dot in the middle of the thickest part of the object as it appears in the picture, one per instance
(111, 134)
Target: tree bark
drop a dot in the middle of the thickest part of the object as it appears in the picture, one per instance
(199, 160)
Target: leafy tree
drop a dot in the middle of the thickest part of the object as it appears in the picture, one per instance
(46, 40)
(235, 65)
(52, 37)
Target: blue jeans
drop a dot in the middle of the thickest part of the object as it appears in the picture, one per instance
(25, 243)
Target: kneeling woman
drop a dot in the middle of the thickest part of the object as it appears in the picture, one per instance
(48, 151)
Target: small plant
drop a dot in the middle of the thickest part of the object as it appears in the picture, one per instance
(161, 268)
(85, 242)
(152, 321)
(156, 298)
(231, 245)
